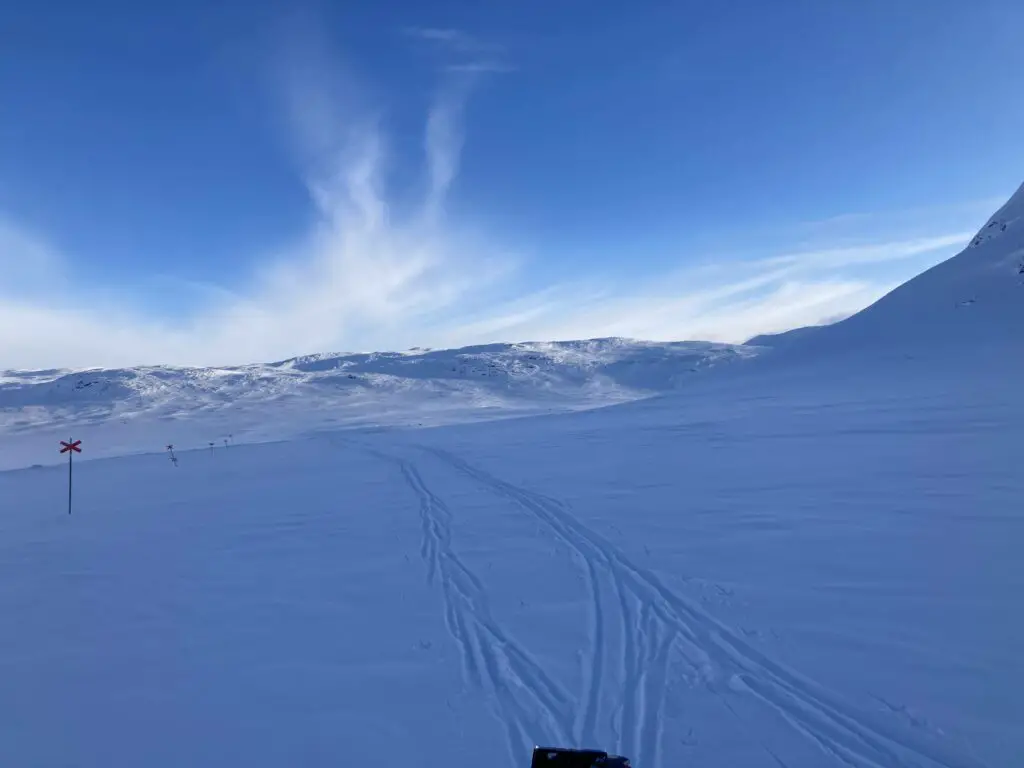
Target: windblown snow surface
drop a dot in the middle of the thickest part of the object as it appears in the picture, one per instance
(805, 557)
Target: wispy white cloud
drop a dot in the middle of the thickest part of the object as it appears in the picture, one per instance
(456, 40)
(871, 253)
(358, 279)
(461, 52)
(27, 263)
(718, 301)
(479, 68)
(908, 220)
(447, 36)
(362, 280)
(443, 145)
(365, 277)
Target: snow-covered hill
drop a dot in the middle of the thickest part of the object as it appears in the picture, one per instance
(968, 306)
(143, 409)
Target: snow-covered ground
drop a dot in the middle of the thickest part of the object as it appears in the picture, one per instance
(759, 580)
(807, 557)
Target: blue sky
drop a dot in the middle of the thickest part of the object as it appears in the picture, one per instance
(213, 183)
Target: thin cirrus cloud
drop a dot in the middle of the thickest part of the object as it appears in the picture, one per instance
(462, 53)
(364, 278)
(721, 301)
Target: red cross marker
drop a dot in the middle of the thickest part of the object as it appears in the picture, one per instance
(71, 447)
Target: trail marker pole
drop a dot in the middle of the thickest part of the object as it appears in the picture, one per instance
(71, 447)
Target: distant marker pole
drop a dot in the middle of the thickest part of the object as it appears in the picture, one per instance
(71, 447)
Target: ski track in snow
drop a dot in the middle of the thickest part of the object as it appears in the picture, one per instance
(527, 698)
(656, 622)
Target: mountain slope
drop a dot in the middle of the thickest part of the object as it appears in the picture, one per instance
(971, 302)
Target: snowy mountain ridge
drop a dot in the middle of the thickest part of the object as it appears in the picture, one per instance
(639, 365)
(972, 303)
(1010, 215)
(145, 407)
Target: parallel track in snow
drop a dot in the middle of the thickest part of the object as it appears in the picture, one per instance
(657, 624)
(529, 703)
